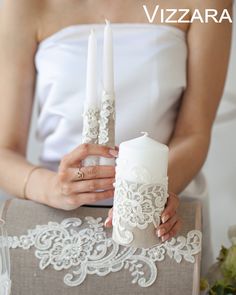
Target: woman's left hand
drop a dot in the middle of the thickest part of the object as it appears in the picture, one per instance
(171, 223)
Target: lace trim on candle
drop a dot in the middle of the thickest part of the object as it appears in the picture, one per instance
(91, 126)
(137, 205)
(83, 248)
(107, 113)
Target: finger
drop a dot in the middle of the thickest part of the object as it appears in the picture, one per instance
(73, 188)
(83, 151)
(92, 172)
(108, 221)
(172, 206)
(173, 232)
(89, 198)
(110, 213)
(164, 228)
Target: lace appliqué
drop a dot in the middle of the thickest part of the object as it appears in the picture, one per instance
(107, 115)
(5, 284)
(84, 248)
(137, 205)
(91, 125)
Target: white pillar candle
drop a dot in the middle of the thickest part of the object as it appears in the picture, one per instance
(147, 158)
(140, 191)
(108, 70)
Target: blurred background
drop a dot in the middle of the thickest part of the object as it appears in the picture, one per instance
(220, 167)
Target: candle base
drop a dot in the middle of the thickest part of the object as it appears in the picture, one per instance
(107, 162)
(140, 238)
(90, 161)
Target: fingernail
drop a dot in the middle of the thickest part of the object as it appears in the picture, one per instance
(114, 153)
(165, 237)
(160, 232)
(107, 221)
(164, 218)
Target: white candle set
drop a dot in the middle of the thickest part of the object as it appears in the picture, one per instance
(141, 172)
(140, 191)
(99, 115)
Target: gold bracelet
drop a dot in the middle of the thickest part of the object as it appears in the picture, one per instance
(27, 180)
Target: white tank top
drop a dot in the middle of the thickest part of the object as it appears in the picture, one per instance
(150, 76)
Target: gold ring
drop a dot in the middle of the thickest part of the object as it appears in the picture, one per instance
(79, 175)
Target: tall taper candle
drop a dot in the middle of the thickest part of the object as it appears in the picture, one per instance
(108, 68)
(92, 72)
(91, 106)
(107, 114)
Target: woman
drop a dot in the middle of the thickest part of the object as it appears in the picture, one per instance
(171, 88)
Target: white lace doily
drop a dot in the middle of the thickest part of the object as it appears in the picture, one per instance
(84, 248)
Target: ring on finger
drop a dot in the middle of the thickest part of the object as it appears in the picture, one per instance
(79, 175)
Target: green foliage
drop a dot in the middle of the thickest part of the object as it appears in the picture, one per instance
(221, 289)
(228, 267)
(227, 285)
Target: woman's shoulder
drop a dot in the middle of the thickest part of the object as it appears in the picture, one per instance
(25, 16)
(26, 6)
(21, 11)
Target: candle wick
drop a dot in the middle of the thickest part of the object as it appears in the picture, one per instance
(144, 133)
(107, 22)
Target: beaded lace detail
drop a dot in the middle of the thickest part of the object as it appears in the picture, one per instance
(106, 115)
(137, 205)
(91, 125)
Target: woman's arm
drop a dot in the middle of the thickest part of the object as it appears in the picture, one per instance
(209, 50)
(17, 75)
(18, 39)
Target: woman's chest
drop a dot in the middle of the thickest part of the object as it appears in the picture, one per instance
(59, 14)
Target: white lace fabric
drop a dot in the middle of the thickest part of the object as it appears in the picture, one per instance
(90, 125)
(5, 285)
(107, 116)
(136, 206)
(84, 248)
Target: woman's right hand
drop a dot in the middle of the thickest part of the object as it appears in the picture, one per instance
(65, 191)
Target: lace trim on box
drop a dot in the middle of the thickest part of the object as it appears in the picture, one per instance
(136, 206)
(106, 115)
(5, 284)
(90, 125)
(84, 248)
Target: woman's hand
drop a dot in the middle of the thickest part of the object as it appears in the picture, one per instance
(171, 223)
(66, 192)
